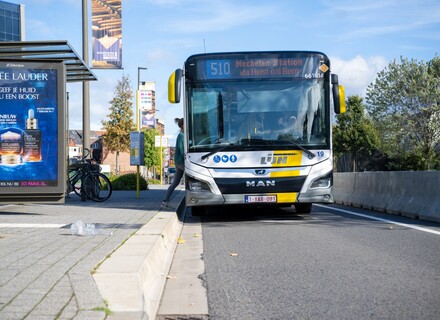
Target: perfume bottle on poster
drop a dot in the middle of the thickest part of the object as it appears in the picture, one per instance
(31, 139)
(11, 146)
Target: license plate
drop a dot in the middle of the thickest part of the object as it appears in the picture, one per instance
(260, 199)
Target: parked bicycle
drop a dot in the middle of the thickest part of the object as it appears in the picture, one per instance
(86, 180)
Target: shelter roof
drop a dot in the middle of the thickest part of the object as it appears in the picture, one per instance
(76, 69)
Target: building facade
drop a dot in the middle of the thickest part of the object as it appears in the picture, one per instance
(108, 159)
(11, 22)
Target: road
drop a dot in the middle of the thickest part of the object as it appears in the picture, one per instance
(336, 263)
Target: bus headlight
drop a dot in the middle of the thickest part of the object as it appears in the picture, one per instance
(196, 185)
(322, 182)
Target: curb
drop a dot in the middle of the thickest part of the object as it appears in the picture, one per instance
(132, 279)
(185, 294)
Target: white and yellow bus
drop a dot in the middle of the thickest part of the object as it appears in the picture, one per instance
(257, 128)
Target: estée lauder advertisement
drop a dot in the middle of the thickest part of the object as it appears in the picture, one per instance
(29, 125)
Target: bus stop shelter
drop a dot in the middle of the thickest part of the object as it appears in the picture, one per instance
(33, 110)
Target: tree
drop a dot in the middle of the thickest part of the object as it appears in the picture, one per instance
(354, 133)
(117, 137)
(152, 153)
(404, 102)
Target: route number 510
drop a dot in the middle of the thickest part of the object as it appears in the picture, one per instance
(220, 68)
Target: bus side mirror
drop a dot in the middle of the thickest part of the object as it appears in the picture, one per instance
(174, 86)
(338, 95)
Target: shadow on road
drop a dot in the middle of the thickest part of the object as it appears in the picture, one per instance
(234, 213)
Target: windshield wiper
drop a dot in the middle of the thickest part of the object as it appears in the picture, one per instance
(308, 152)
(264, 142)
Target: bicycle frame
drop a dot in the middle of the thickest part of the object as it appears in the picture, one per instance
(93, 184)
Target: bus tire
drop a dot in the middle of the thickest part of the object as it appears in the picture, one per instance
(303, 208)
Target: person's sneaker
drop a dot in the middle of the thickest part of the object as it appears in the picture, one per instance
(164, 204)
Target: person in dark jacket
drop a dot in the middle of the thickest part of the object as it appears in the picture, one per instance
(179, 163)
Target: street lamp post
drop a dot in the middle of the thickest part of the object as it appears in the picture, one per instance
(85, 84)
(138, 126)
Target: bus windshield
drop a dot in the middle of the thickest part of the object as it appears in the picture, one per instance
(257, 115)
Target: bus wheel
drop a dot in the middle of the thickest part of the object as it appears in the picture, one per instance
(198, 211)
(303, 207)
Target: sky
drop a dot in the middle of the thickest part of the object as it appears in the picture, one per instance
(360, 37)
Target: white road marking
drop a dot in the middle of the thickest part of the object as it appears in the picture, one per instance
(284, 221)
(31, 225)
(381, 219)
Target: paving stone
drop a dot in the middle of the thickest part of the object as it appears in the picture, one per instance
(46, 273)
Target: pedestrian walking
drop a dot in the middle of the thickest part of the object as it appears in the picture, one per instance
(179, 163)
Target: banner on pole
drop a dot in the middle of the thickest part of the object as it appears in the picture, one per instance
(147, 104)
(107, 34)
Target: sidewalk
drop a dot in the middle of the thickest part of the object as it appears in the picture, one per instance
(48, 273)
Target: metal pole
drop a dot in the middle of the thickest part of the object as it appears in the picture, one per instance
(161, 161)
(86, 87)
(138, 127)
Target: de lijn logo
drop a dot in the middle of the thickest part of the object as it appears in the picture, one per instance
(225, 158)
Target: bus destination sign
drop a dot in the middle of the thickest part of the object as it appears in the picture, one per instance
(265, 68)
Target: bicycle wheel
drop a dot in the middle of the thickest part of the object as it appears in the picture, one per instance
(97, 187)
(74, 183)
(77, 187)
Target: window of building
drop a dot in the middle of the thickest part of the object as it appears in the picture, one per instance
(9, 21)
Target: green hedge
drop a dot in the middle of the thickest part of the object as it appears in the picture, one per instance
(153, 181)
(128, 182)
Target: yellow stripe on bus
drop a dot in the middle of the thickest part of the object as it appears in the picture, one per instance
(286, 197)
(285, 158)
(286, 173)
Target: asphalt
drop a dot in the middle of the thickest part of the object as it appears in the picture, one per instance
(46, 272)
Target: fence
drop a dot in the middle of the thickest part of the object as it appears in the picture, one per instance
(411, 194)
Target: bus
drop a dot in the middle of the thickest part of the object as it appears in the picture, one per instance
(257, 128)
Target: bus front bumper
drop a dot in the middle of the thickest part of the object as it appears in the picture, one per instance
(321, 195)
(203, 199)
(207, 198)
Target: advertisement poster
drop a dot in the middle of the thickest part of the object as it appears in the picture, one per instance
(107, 34)
(29, 125)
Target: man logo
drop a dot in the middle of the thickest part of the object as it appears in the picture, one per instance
(260, 183)
(260, 171)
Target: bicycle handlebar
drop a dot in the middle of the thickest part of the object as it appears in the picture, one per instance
(83, 160)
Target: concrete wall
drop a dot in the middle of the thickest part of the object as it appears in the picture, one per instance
(411, 194)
